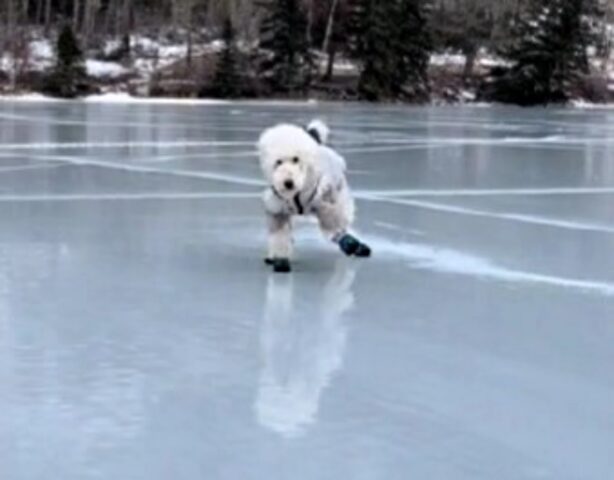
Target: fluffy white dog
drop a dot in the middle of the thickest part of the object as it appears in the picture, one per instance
(305, 177)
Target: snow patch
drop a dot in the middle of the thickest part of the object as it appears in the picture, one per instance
(484, 59)
(100, 69)
(448, 59)
(126, 98)
(467, 96)
(42, 50)
(29, 97)
(492, 61)
(583, 104)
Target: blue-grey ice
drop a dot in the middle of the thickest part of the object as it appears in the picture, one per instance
(143, 338)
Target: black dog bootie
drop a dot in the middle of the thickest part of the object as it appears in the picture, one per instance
(351, 246)
(280, 265)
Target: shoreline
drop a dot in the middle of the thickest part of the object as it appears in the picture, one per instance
(121, 98)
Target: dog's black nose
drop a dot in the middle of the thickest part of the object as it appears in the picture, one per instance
(289, 184)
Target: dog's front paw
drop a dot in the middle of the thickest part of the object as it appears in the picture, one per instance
(363, 251)
(350, 245)
(280, 265)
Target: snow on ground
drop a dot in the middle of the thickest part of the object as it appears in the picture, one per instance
(152, 53)
(6, 63)
(341, 65)
(451, 59)
(41, 55)
(447, 59)
(149, 54)
(126, 98)
(100, 69)
(28, 97)
(467, 96)
(42, 49)
(580, 103)
(491, 61)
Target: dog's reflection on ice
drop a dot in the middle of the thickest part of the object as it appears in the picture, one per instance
(303, 343)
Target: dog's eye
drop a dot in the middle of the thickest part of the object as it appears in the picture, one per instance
(295, 160)
(278, 163)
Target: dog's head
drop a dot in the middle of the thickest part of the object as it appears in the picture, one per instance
(288, 156)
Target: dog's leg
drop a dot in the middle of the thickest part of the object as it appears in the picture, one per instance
(334, 223)
(280, 242)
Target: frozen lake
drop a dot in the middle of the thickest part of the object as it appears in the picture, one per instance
(142, 338)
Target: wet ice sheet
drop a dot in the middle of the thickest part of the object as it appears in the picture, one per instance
(141, 337)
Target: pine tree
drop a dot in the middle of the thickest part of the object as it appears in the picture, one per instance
(68, 77)
(372, 44)
(391, 41)
(548, 55)
(227, 81)
(288, 64)
(68, 52)
(413, 45)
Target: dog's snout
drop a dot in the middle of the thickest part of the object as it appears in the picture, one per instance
(289, 184)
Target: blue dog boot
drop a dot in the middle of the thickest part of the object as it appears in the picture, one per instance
(363, 251)
(350, 245)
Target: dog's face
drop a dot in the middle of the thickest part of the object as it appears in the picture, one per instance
(289, 175)
(288, 158)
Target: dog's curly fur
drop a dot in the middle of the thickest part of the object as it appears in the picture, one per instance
(305, 177)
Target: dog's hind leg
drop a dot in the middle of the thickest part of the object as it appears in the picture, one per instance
(280, 242)
(335, 222)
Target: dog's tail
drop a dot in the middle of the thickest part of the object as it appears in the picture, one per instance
(319, 131)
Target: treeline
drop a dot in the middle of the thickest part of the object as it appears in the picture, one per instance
(547, 50)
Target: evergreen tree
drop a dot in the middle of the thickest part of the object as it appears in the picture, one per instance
(68, 77)
(288, 64)
(548, 53)
(68, 52)
(227, 81)
(373, 45)
(413, 47)
(391, 42)
(464, 27)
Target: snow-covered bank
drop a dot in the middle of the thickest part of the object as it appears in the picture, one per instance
(101, 69)
(158, 67)
(583, 104)
(117, 98)
(125, 98)
(28, 97)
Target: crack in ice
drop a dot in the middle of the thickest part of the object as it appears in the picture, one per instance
(529, 219)
(488, 192)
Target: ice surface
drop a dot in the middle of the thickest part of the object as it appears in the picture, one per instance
(142, 337)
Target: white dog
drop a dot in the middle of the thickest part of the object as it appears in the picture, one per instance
(305, 177)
